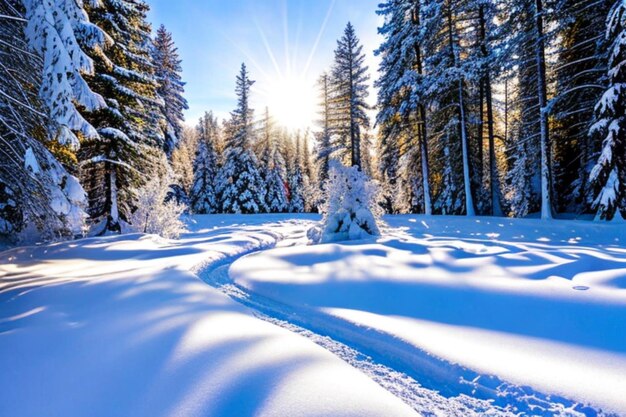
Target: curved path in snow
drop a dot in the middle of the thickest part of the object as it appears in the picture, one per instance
(396, 364)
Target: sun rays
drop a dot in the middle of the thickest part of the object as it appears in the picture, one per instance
(287, 86)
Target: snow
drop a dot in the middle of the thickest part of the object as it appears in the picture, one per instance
(539, 306)
(30, 161)
(120, 325)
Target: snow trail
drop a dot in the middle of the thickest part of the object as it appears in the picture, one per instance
(443, 388)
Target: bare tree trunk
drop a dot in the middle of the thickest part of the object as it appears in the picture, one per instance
(546, 187)
(469, 200)
(421, 114)
(494, 178)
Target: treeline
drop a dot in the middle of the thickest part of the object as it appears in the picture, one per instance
(494, 107)
(245, 164)
(501, 107)
(91, 107)
(250, 165)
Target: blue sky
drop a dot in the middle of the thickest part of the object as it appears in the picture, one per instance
(285, 43)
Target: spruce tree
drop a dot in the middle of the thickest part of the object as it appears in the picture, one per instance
(323, 137)
(240, 183)
(402, 96)
(170, 86)
(273, 170)
(203, 195)
(349, 90)
(38, 195)
(130, 128)
(608, 176)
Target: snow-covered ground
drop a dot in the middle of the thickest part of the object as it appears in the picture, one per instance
(439, 317)
(120, 326)
(528, 313)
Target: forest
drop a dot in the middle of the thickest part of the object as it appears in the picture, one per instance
(492, 107)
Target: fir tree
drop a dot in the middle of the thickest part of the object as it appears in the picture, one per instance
(609, 174)
(203, 195)
(240, 183)
(171, 87)
(130, 133)
(273, 167)
(582, 57)
(323, 137)
(348, 110)
(38, 195)
(401, 97)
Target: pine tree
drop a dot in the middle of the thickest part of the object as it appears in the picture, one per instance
(582, 57)
(349, 90)
(240, 183)
(130, 128)
(171, 87)
(401, 97)
(38, 195)
(608, 176)
(272, 169)
(323, 137)
(203, 196)
(297, 185)
(59, 42)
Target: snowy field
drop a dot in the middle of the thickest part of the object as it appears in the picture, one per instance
(518, 311)
(440, 316)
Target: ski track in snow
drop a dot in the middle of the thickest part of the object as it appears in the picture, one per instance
(335, 337)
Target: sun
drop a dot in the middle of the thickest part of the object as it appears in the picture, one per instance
(292, 101)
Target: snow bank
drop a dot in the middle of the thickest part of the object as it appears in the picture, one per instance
(118, 326)
(534, 303)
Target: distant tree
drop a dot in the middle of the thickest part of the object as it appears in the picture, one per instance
(323, 137)
(273, 168)
(349, 90)
(204, 198)
(240, 184)
(170, 86)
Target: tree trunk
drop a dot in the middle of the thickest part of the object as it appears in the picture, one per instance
(546, 197)
(422, 132)
(494, 179)
(469, 200)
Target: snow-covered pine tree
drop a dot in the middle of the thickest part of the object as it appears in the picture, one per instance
(489, 61)
(608, 176)
(297, 185)
(240, 184)
(203, 195)
(171, 87)
(38, 196)
(323, 148)
(524, 177)
(273, 169)
(309, 177)
(401, 96)
(57, 30)
(582, 57)
(349, 90)
(130, 128)
(542, 94)
(351, 207)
